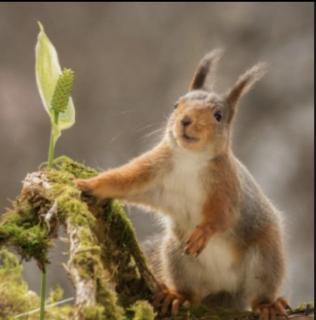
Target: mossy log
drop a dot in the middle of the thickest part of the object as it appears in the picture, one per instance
(106, 265)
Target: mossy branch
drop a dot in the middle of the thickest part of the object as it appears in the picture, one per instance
(106, 265)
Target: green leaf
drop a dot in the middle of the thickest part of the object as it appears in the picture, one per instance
(48, 70)
(62, 91)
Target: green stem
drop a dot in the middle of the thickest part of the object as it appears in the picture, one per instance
(51, 150)
(52, 141)
(43, 292)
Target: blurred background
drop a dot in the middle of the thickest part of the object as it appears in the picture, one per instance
(132, 61)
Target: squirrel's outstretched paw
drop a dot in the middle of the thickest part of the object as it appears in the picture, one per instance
(198, 240)
(83, 184)
(167, 301)
(87, 186)
(271, 311)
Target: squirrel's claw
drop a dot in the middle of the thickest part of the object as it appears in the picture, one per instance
(175, 307)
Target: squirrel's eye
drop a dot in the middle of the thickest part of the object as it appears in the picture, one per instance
(175, 106)
(218, 116)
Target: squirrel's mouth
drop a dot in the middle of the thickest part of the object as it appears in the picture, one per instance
(188, 137)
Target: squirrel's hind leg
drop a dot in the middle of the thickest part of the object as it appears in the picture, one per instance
(166, 300)
(265, 273)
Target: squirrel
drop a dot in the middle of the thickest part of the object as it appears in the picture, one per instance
(223, 239)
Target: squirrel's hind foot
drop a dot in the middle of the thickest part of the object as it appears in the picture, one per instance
(167, 301)
(271, 311)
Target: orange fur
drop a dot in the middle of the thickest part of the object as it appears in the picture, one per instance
(130, 178)
(220, 208)
(218, 213)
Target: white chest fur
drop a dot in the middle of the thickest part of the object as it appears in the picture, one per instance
(182, 189)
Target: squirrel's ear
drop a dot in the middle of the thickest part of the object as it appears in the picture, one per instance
(242, 86)
(206, 66)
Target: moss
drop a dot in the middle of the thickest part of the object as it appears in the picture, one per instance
(56, 294)
(64, 312)
(108, 298)
(306, 308)
(21, 229)
(114, 234)
(127, 263)
(87, 259)
(14, 294)
(116, 231)
(93, 313)
(59, 177)
(142, 310)
(77, 169)
(71, 207)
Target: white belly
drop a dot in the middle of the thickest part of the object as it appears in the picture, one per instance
(218, 262)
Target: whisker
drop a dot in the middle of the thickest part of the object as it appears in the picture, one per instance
(146, 126)
(127, 111)
(117, 136)
(152, 133)
(114, 138)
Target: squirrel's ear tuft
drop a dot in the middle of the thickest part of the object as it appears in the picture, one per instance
(206, 66)
(243, 85)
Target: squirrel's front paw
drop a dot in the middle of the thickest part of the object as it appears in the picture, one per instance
(87, 186)
(198, 240)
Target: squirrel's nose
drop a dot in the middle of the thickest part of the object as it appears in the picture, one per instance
(186, 121)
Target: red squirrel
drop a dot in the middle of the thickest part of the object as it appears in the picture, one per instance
(223, 236)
